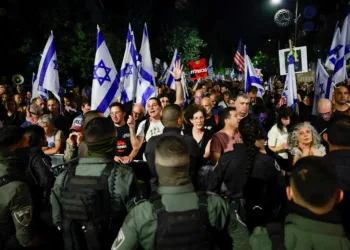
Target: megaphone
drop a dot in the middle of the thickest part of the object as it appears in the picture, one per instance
(18, 79)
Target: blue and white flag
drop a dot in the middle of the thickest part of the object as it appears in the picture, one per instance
(347, 30)
(129, 69)
(105, 83)
(146, 87)
(333, 51)
(343, 52)
(251, 78)
(324, 86)
(269, 85)
(210, 68)
(289, 95)
(47, 76)
(34, 87)
(170, 81)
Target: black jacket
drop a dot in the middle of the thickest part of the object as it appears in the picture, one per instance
(192, 146)
(39, 170)
(232, 170)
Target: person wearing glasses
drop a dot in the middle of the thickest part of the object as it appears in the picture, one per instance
(321, 122)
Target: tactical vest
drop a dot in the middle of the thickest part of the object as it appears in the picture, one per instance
(85, 208)
(187, 230)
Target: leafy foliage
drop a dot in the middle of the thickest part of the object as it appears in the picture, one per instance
(186, 40)
(265, 62)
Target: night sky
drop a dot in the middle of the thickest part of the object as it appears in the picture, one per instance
(221, 22)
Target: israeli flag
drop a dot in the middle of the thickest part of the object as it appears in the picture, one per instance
(347, 34)
(343, 53)
(34, 87)
(47, 76)
(289, 95)
(324, 86)
(129, 72)
(105, 83)
(170, 81)
(210, 68)
(146, 87)
(333, 51)
(251, 78)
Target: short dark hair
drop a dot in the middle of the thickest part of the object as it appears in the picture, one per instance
(156, 99)
(252, 89)
(225, 114)
(194, 108)
(172, 147)
(171, 114)
(162, 95)
(35, 134)
(227, 93)
(117, 104)
(84, 101)
(339, 131)
(315, 182)
(10, 135)
(284, 112)
(99, 128)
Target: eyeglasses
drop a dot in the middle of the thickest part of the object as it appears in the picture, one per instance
(137, 114)
(325, 114)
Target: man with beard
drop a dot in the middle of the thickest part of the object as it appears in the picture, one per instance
(341, 95)
(17, 227)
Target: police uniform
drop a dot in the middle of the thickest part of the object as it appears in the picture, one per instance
(140, 226)
(16, 209)
(122, 186)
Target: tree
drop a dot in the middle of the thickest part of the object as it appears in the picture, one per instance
(186, 40)
(265, 62)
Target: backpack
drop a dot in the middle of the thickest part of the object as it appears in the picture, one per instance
(86, 215)
(186, 230)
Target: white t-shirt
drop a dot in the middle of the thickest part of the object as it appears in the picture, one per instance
(277, 138)
(155, 128)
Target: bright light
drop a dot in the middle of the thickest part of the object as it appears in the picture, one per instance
(275, 1)
(269, 40)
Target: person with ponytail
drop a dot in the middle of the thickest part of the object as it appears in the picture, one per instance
(264, 188)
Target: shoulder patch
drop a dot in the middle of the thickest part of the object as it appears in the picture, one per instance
(23, 216)
(119, 240)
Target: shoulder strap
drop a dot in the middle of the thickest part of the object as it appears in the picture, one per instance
(157, 203)
(276, 234)
(147, 124)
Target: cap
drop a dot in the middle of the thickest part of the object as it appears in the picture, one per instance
(76, 128)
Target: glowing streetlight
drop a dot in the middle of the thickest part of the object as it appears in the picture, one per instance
(275, 1)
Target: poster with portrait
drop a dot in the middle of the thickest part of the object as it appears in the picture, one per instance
(300, 64)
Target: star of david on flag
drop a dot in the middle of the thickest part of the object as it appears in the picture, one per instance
(324, 86)
(47, 77)
(146, 87)
(105, 75)
(105, 83)
(128, 71)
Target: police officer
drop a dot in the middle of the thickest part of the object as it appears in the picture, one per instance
(17, 228)
(178, 218)
(100, 138)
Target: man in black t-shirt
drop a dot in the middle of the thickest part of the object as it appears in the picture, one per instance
(124, 151)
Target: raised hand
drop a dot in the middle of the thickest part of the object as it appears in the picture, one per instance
(177, 71)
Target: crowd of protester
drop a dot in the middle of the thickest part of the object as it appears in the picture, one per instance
(274, 173)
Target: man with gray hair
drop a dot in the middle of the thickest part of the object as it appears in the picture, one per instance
(33, 114)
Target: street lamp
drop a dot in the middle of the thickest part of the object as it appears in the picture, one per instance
(275, 2)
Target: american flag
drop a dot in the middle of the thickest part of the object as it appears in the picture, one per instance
(239, 57)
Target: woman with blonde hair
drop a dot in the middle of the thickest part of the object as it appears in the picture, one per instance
(305, 141)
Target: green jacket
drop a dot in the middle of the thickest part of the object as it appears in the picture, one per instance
(16, 209)
(302, 233)
(122, 185)
(140, 226)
